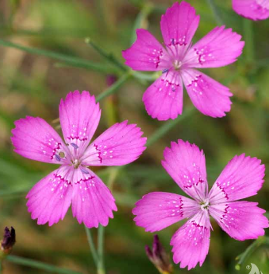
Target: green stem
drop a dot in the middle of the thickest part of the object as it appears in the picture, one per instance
(114, 172)
(168, 126)
(141, 17)
(101, 267)
(215, 11)
(91, 245)
(108, 56)
(73, 61)
(114, 87)
(39, 265)
(145, 76)
(249, 42)
(242, 257)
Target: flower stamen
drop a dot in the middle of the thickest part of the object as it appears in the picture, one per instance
(76, 163)
(204, 205)
(177, 64)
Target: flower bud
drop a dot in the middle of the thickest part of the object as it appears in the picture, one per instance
(159, 257)
(8, 241)
(111, 79)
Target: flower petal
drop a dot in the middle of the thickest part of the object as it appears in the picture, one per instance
(178, 25)
(92, 201)
(35, 139)
(252, 9)
(220, 47)
(164, 98)
(146, 54)
(185, 163)
(119, 145)
(241, 220)
(157, 210)
(50, 198)
(208, 96)
(241, 178)
(191, 242)
(79, 117)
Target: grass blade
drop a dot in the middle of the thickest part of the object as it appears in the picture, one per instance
(70, 60)
(39, 265)
(168, 126)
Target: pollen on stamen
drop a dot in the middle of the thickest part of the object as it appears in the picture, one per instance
(165, 70)
(75, 146)
(84, 170)
(58, 158)
(62, 155)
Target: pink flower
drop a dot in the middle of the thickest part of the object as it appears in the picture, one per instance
(185, 163)
(178, 61)
(73, 182)
(252, 9)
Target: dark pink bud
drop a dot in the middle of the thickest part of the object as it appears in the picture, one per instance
(111, 79)
(159, 257)
(9, 240)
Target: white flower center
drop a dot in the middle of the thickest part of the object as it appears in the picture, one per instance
(75, 163)
(177, 64)
(205, 204)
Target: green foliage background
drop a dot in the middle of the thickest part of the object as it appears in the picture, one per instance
(43, 55)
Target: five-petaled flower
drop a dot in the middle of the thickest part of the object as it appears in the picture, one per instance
(185, 163)
(178, 61)
(73, 182)
(252, 9)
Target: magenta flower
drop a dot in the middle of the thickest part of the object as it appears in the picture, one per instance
(73, 182)
(185, 163)
(252, 9)
(178, 61)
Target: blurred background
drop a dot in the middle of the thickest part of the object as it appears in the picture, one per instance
(43, 56)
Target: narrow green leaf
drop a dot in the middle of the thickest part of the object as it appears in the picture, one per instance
(107, 56)
(39, 265)
(145, 76)
(92, 246)
(168, 126)
(248, 36)
(101, 267)
(112, 89)
(216, 12)
(254, 246)
(141, 17)
(70, 60)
